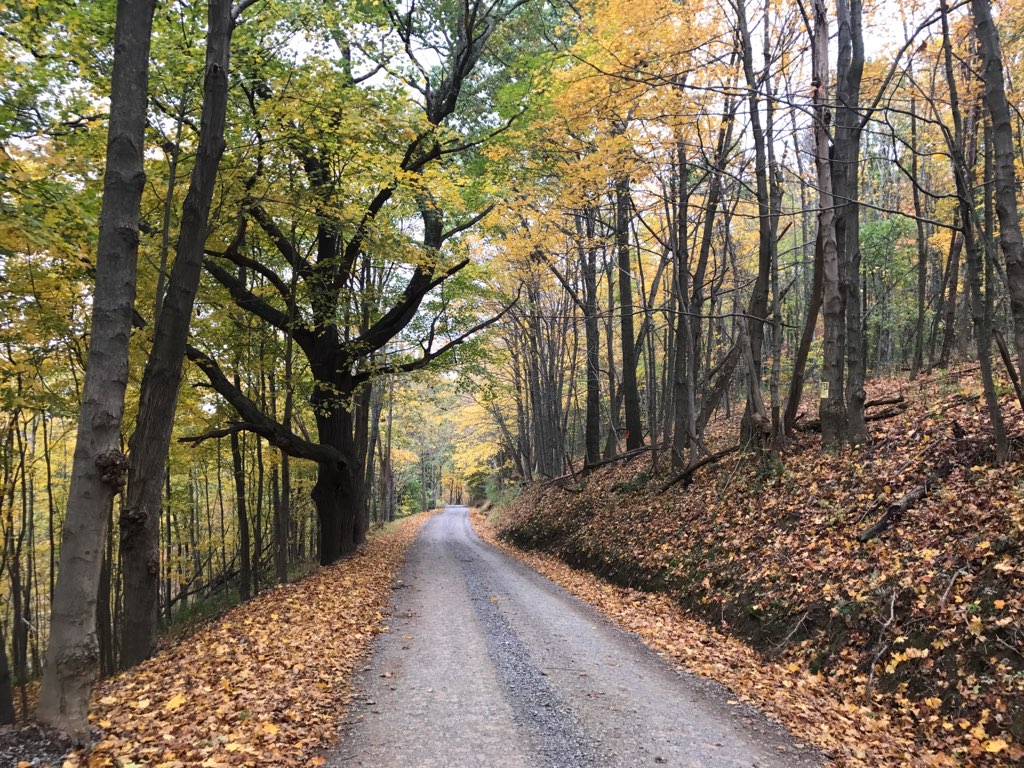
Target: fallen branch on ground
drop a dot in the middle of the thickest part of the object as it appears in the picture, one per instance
(814, 425)
(686, 476)
(571, 475)
(898, 399)
(896, 510)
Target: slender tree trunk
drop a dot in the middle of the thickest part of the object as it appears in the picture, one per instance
(683, 396)
(758, 308)
(953, 291)
(796, 384)
(99, 465)
(7, 714)
(1005, 173)
(244, 561)
(962, 171)
(588, 264)
(922, 247)
(630, 389)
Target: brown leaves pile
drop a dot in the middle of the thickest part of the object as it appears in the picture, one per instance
(801, 701)
(265, 685)
(906, 650)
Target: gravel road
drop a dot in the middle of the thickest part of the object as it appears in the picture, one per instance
(487, 663)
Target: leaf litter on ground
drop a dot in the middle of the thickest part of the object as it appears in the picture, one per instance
(905, 650)
(264, 685)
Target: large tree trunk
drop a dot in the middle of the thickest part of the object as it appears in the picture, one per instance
(846, 171)
(158, 397)
(338, 492)
(832, 405)
(1005, 172)
(99, 466)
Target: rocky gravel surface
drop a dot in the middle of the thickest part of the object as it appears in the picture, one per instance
(487, 663)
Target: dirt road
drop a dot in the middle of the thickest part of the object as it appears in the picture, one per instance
(487, 663)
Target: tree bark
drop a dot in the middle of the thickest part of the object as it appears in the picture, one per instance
(832, 406)
(846, 171)
(630, 388)
(158, 396)
(99, 465)
(1010, 239)
(980, 317)
(242, 516)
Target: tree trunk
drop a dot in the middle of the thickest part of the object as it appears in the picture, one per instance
(949, 316)
(158, 396)
(7, 714)
(338, 492)
(244, 562)
(99, 466)
(796, 384)
(846, 170)
(630, 390)
(962, 171)
(588, 263)
(758, 308)
(922, 247)
(1005, 172)
(832, 405)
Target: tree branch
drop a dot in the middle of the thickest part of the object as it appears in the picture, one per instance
(258, 422)
(429, 356)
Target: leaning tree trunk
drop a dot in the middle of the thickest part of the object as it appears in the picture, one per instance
(796, 383)
(149, 445)
(99, 466)
(963, 175)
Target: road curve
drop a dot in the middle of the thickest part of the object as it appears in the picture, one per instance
(487, 663)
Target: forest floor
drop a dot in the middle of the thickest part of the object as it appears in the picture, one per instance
(904, 650)
(266, 684)
(489, 664)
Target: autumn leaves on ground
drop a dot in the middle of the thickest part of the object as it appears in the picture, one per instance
(902, 650)
(265, 684)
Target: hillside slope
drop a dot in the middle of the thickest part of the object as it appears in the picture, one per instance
(921, 625)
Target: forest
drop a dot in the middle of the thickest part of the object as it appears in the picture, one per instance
(275, 274)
